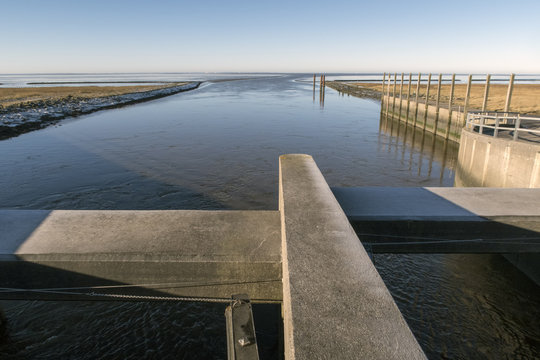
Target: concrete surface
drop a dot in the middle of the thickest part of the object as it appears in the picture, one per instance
(417, 220)
(436, 203)
(484, 160)
(196, 253)
(335, 304)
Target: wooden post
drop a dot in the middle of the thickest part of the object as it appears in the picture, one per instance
(486, 92)
(320, 91)
(437, 104)
(314, 76)
(394, 95)
(427, 101)
(382, 92)
(388, 97)
(416, 98)
(382, 86)
(466, 105)
(450, 104)
(509, 93)
(400, 96)
(408, 98)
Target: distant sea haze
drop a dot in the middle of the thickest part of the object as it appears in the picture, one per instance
(22, 80)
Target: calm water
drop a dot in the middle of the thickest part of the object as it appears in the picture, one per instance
(217, 148)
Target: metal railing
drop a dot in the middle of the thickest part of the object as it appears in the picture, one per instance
(503, 122)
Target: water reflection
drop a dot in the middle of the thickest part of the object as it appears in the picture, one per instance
(424, 148)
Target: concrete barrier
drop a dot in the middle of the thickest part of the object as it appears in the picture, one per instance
(335, 304)
(162, 253)
(484, 160)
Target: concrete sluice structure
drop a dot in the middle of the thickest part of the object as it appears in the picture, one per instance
(305, 255)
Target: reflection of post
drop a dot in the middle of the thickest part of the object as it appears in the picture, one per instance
(450, 104)
(432, 154)
(509, 93)
(421, 158)
(412, 148)
(427, 102)
(466, 104)
(437, 108)
(443, 164)
(416, 98)
(408, 99)
(314, 79)
(486, 92)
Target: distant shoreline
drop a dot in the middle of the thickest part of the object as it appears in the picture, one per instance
(26, 109)
(99, 82)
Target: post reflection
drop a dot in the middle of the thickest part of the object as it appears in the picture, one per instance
(426, 151)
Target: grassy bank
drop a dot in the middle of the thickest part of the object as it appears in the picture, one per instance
(27, 109)
(525, 97)
(20, 96)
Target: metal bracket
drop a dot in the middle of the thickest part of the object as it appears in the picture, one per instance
(241, 340)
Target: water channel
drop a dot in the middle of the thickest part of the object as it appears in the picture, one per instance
(217, 148)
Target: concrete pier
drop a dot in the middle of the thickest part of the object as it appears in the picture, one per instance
(335, 304)
(164, 253)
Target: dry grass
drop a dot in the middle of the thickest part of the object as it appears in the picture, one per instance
(15, 96)
(525, 97)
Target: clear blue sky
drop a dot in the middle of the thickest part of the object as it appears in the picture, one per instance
(275, 36)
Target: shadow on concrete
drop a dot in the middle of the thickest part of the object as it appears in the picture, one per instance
(416, 220)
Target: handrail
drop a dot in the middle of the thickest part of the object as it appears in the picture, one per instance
(502, 121)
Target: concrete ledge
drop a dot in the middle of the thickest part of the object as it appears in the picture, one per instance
(440, 203)
(335, 304)
(434, 220)
(189, 253)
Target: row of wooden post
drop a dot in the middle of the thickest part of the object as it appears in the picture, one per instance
(466, 103)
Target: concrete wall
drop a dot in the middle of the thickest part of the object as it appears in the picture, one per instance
(484, 160)
(417, 113)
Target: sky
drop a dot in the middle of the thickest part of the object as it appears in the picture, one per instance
(71, 36)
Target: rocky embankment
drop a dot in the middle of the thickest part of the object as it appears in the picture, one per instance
(27, 116)
(354, 90)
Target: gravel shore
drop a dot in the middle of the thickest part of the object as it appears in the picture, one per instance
(46, 107)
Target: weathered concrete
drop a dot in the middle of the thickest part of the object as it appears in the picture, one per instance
(484, 160)
(187, 253)
(335, 304)
(410, 220)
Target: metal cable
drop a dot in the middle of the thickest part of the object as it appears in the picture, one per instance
(62, 291)
(132, 297)
(177, 285)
